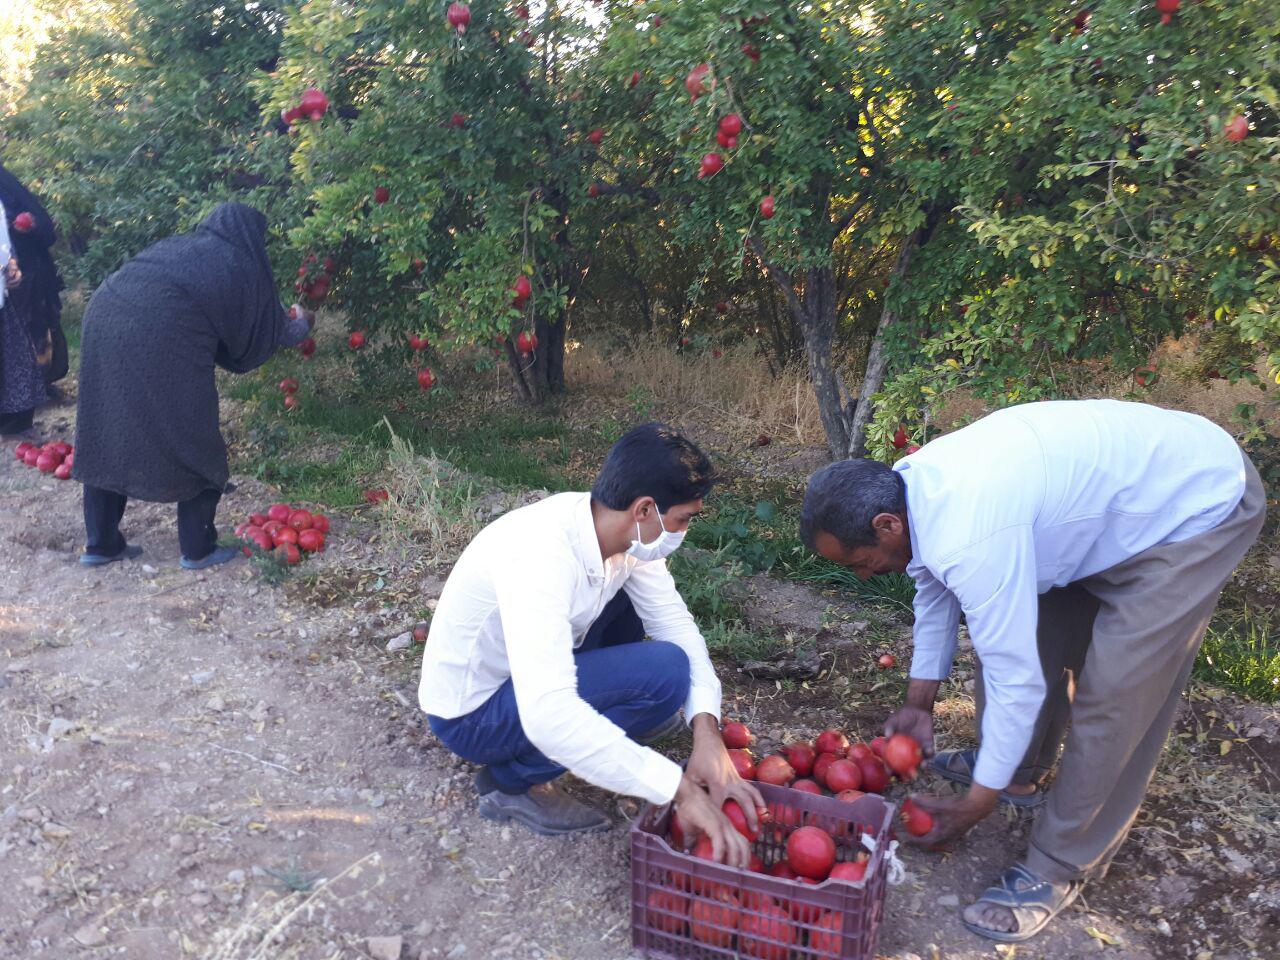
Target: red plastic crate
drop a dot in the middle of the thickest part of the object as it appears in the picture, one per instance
(687, 908)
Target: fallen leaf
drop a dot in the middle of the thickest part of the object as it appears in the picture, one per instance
(1103, 937)
(1224, 748)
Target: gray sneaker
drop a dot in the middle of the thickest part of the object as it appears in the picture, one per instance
(545, 809)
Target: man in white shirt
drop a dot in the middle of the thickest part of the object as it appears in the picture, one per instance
(1083, 541)
(535, 662)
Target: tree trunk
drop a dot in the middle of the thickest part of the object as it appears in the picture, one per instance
(814, 312)
(873, 379)
(817, 321)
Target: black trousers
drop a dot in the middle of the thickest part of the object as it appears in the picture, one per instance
(17, 422)
(103, 510)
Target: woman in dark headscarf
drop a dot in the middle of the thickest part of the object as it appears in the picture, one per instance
(147, 425)
(22, 387)
(37, 301)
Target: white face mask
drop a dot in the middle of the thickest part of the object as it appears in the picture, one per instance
(660, 548)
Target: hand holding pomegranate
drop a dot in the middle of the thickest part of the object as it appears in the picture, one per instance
(952, 816)
(710, 766)
(700, 816)
(308, 315)
(915, 717)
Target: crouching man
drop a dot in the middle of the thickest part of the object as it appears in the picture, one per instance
(537, 662)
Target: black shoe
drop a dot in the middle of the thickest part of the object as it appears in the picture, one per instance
(544, 809)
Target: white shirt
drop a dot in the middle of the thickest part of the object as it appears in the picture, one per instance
(519, 602)
(1038, 496)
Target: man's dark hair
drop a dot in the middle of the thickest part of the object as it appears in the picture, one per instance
(843, 498)
(652, 460)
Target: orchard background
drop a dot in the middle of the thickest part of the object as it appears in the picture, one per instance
(798, 231)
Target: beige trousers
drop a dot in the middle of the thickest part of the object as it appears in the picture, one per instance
(1117, 649)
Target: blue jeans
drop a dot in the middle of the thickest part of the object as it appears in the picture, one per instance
(637, 685)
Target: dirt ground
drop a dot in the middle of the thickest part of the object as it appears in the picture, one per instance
(202, 765)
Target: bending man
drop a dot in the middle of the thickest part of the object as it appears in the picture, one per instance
(1083, 541)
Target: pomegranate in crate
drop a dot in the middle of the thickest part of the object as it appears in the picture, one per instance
(691, 908)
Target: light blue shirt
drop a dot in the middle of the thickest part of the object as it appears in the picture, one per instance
(1039, 496)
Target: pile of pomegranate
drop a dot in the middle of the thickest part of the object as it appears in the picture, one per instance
(284, 532)
(774, 926)
(56, 457)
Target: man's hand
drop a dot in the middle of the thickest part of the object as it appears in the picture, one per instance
(12, 275)
(701, 815)
(710, 767)
(915, 717)
(953, 816)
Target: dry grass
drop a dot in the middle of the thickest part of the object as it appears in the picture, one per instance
(735, 391)
(430, 504)
(261, 933)
(738, 394)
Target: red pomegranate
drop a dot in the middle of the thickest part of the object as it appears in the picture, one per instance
(766, 207)
(715, 921)
(832, 741)
(843, 775)
(807, 786)
(356, 340)
(917, 819)
(1237, 129)
(877, 746)
(527, 342)
(811, 852)
(874, 776)
(522, 289)
(1167, 8)
(801, 757)
(712, 163)
(459, 16)
(733, 810)
(667, 910)
(426, 379)
(381, 194)
(24, 222)
(314, 103)
(736, 736)
(743, 763)
(695, 82)
(821, 765)
(852, 871)
(903, 755)
(775, 769)
(766, 931)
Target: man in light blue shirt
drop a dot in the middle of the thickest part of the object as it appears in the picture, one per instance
(1086, 543)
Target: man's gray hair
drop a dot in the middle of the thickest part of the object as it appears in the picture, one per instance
(843, 498)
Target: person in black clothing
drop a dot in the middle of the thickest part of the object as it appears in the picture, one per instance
(153, 334)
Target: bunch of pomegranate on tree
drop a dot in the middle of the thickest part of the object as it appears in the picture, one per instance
(312, 105)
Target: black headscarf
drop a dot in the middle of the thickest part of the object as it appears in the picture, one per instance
(249, 331)
(38, 296)
(147, 425)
